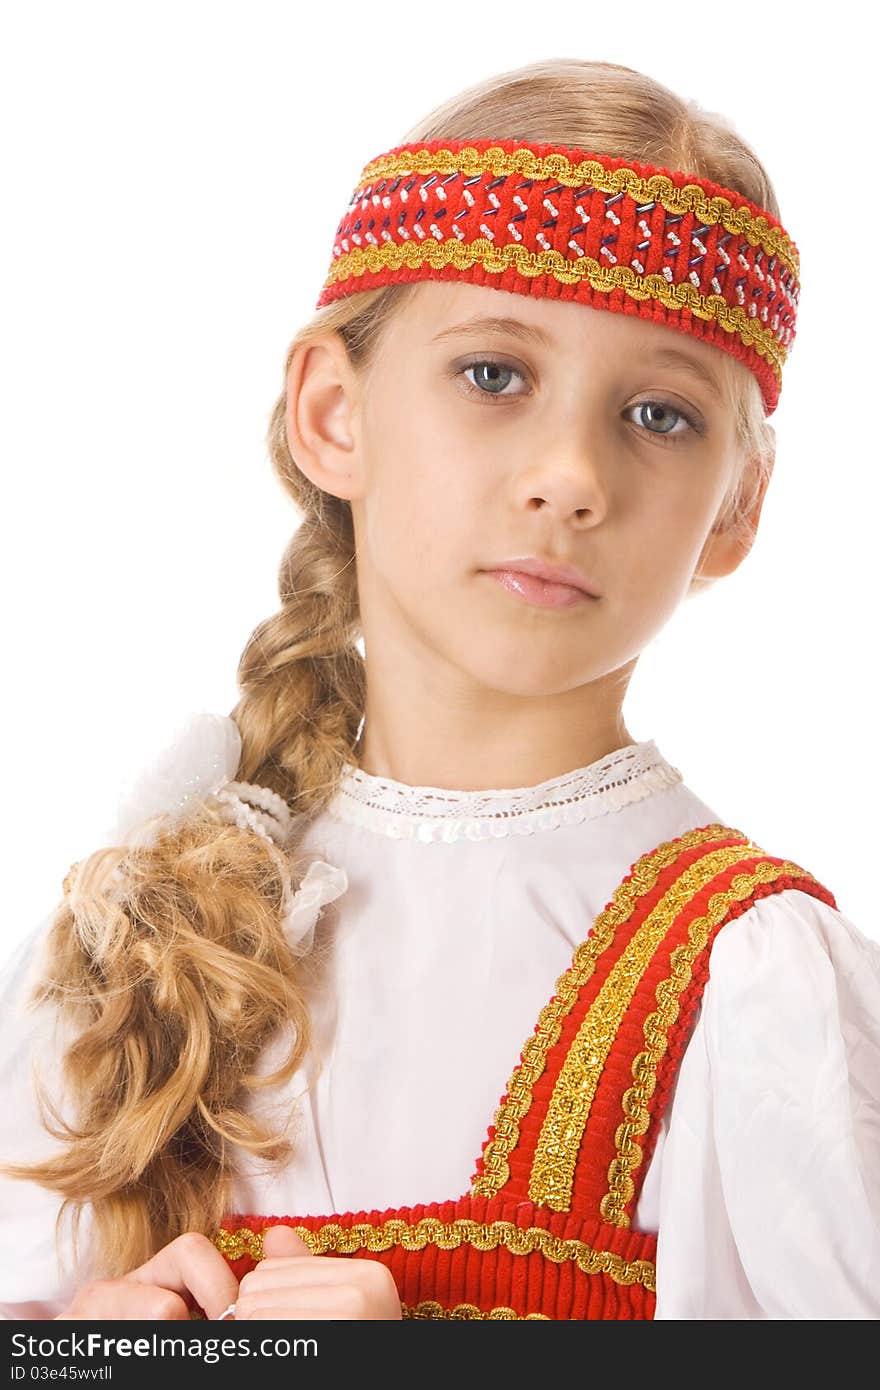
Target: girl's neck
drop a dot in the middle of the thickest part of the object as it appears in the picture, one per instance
(516, 764)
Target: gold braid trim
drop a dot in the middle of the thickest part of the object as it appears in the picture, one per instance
(497, 259)
(658, 188)
(657, 1025)
(429, 1309)
(556, 1153)
(448, 1235)
(518, 1098)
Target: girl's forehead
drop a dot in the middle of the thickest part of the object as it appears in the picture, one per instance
(443, 313)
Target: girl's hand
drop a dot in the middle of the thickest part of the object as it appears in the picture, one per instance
(190, 1267)
(291, 1282)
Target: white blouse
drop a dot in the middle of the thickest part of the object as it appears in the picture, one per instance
(434, 947)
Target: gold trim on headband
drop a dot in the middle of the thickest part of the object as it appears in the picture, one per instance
(497, 259)
(657, 188)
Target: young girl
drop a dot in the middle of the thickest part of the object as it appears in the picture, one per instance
(419, 987)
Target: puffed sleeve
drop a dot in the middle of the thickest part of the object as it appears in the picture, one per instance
(37, 1279)
(769, 1201)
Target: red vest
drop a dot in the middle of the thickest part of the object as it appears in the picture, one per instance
(545, 1229)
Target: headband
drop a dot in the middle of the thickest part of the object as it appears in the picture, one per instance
(555, 220)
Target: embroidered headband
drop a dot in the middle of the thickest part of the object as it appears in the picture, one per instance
(554, 220)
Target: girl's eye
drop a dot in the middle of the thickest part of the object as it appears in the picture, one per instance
(659, 419)
(660, 413)
(495, 375)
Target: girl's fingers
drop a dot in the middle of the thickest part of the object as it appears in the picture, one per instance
(342, 1288)
(283, 1240)
(117, 1298)
(325, 1302)
(317, 1272)
(193, 1265)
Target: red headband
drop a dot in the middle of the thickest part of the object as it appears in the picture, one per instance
(554, 220)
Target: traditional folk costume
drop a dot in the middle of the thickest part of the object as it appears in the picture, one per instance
(684, 1040)
(580, 1049)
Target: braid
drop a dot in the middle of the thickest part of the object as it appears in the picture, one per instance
(301, 675)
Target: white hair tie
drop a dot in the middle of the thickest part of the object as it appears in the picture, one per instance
(201, 761)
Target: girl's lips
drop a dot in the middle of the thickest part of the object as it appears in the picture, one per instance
(538, 591)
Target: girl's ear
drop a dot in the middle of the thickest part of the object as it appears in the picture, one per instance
(322, 416)
(728, 544)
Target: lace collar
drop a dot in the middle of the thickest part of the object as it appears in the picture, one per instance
(405, 812)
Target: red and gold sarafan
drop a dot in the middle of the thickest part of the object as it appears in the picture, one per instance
(545, 1229)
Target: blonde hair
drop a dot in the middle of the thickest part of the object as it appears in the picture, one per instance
(170, 960)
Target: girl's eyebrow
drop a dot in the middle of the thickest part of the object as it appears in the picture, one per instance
(515, 327)
(671, 357)
(661, 356)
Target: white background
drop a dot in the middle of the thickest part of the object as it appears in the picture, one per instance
(158, 159)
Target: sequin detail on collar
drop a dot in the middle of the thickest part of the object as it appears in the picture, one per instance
(437, 814)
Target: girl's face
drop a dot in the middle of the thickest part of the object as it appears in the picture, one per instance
(574, 435)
